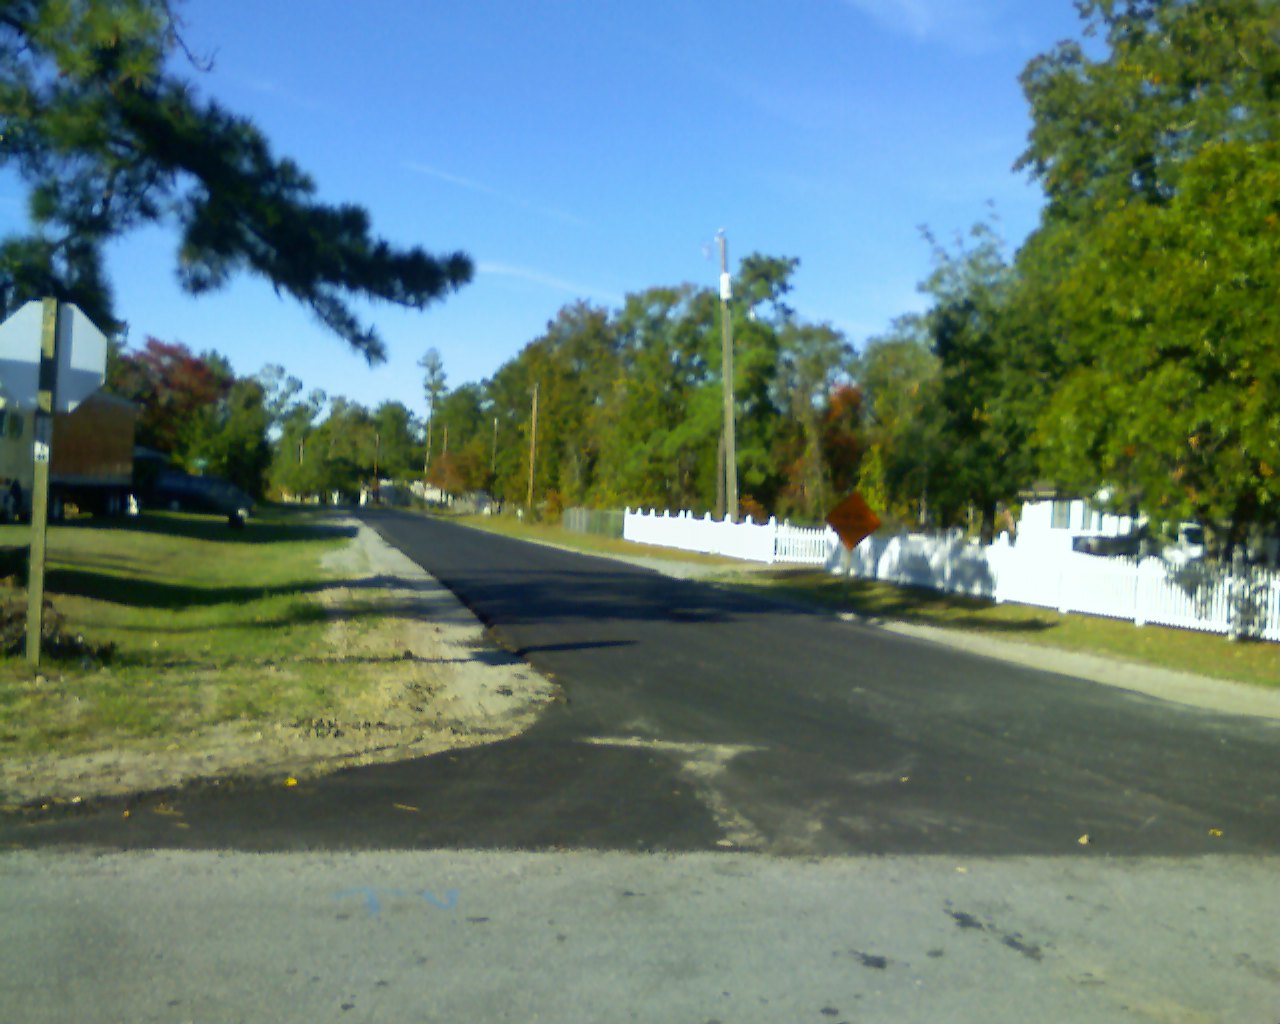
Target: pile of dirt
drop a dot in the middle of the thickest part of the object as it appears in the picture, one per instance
(56, 641)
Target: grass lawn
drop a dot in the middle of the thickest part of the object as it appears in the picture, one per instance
(186, 623)
(1178, 649)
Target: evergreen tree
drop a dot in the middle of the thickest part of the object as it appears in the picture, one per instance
(108, 140)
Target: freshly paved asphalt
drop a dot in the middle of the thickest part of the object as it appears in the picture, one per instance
(698, 718)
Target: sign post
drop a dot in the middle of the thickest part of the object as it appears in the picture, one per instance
(52, 358)
(40, 488)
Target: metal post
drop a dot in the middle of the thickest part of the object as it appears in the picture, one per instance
(726, 330)
(40, 489)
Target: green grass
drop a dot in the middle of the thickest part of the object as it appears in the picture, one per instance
(186, 624)
(1181, 650)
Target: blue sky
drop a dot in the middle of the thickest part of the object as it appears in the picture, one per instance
(584, 150)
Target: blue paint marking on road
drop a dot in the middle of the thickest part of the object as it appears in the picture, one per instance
(449, 902)
(373, 903)
(370, 897)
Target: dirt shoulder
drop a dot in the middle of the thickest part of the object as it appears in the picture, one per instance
(449, 687)
(1179, 687)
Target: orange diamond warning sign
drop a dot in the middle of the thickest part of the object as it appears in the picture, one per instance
(853, 520)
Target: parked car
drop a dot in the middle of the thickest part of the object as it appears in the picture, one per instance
(181, 492)
(1189, 547)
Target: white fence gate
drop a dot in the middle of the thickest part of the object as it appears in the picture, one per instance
(1193, 596)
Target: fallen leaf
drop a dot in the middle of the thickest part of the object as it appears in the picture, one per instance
(1216, 833)
(405, 807)
(290, 781)
(1084, 840)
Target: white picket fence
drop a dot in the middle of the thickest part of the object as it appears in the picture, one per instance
(754, 542)
(1194, 596)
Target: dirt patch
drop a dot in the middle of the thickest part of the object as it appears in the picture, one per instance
(420, 677)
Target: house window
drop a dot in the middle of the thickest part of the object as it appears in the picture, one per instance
(1061, 515)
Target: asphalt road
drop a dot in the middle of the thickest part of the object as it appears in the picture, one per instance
(805, 734)
(700, 718)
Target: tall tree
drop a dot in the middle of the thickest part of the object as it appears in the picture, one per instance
(342, 449)
(297, 464)
(899, 376)
(987, 456)
(231, 437)
(1172, 397)
(174, 387)
(397, 450)
(109, 140)
(660, 417)
(280, 391)
(433, 386)
(1157, 150)
(463, 464)
(1117, 126)
(814, 359)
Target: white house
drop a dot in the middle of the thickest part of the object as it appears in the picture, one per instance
(1053, 520)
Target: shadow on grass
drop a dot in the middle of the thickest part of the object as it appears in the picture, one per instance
(275, 527)
(137, 593)
(906, 604)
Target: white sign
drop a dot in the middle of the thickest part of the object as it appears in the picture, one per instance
(42, 452)
(82, 357)
(20, 355)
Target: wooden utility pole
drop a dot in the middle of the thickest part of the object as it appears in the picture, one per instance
(533, 452)
(40, 489)
(726, 332)
(426, 460)
(493, 455)
(720, 476)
